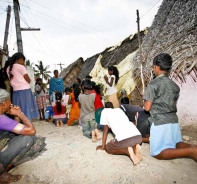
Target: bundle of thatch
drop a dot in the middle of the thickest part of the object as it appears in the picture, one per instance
(174, 31)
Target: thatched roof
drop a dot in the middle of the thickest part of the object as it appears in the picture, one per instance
(174, 31)
(112, 55)
(71, 72)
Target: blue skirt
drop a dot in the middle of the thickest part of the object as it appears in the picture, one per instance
(27, 103)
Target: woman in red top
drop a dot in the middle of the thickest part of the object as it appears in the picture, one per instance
(98, 104)
(59, 109)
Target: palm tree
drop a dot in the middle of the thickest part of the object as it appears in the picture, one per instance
(41, 71)
(28, 63)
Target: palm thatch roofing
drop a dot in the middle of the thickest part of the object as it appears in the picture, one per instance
(112, 55)
(71, 72)
(173, 31)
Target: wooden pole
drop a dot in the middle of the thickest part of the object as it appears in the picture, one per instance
(140, 51)
(17, 24)
(7, 29)
(18, 28)
(60, 66)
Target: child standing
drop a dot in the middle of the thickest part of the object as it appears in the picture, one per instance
(40, 97)
(20, 81)
(111, 89)
(59, 108)
(65, 99)
(87, 113)
(160, 99)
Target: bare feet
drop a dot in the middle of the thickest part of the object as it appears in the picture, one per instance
(61, 124)
(194, 153)
(132, 155)
(138, 152)
(94, 136)
(57, 123)
(5, 177)
(98, 136)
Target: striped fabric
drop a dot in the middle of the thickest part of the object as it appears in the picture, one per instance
(41, 102)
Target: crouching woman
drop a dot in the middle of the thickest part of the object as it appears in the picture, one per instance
(17, 141)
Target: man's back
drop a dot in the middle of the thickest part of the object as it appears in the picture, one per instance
(119, 123)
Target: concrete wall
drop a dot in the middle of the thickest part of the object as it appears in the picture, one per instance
(30, 72)
(187, 103)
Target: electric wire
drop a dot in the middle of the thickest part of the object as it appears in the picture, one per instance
(23, 19)
(40, 51)
(34, 26)
(46, 42)
(66, 16)
(66, 23)
(150, 9)
(38, 26)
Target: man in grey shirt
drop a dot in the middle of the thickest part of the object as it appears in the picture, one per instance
(160, 99)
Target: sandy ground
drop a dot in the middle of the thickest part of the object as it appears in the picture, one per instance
(72, 158)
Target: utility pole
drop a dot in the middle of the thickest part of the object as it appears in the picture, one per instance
(18, 28)
(5, 45)
(138, 31)
(140, 51)
(17, 24)
(60, 66)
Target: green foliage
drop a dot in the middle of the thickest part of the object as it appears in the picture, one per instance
(42, 71)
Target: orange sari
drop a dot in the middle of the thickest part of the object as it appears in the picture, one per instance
(74, 112)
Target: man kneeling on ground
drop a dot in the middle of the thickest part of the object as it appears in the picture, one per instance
(127, 136)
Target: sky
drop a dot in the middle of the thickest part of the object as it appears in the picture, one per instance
(71, 29)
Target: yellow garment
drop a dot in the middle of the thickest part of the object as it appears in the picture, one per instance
(114, 99)
(125, 73)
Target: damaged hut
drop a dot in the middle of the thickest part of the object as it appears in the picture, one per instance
(174, 31)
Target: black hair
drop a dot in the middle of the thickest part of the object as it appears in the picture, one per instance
(67, 89)
(58, 98)
(7, 63)
(96, 87)
(55, 71)
(124, 100)
(37, 80)
(88, 77)
(13, 59)
(109, 105)
(115, 72)
(164, 61)
(77, 91)
(86, 84)
(79, 80)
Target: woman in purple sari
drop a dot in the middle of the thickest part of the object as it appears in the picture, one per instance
(18, 142)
